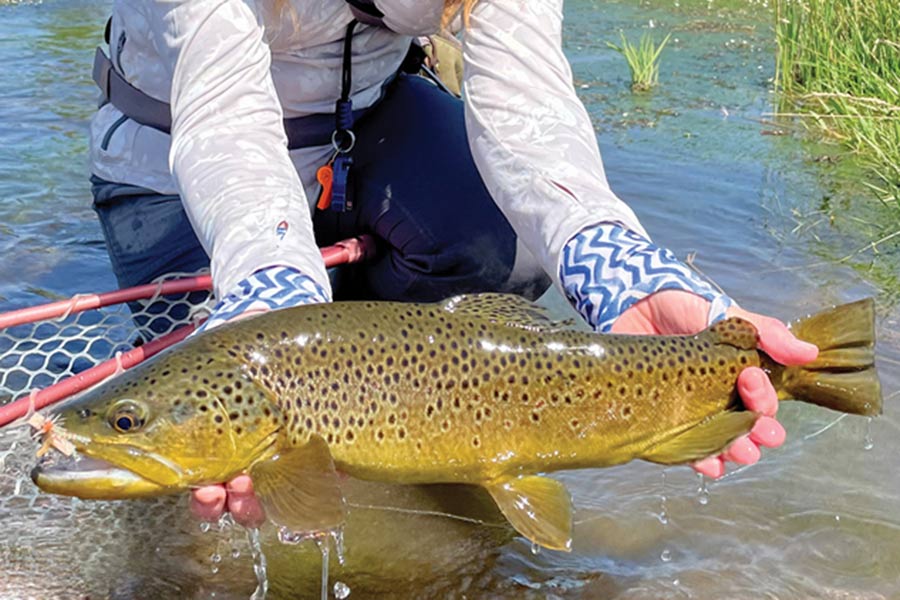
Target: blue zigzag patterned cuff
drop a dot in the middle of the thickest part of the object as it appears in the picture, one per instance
(607, 268)
(270, 289)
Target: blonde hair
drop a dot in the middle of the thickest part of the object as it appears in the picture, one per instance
(453, 7)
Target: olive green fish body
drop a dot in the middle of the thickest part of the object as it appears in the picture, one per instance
(418, 394)
(479, 389)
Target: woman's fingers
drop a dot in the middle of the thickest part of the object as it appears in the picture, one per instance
(776, 340)
(243, 503)
(745, 450)
(768, 432)
(742, 451)
(208, 502)
(712, 466)
(757, 392)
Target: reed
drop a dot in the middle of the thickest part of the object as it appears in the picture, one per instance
(838, 68)
(643, 60)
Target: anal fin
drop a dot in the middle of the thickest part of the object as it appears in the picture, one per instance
(299, 490)
(706, 439)
(538, 507)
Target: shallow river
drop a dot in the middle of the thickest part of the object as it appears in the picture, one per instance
(816, 518)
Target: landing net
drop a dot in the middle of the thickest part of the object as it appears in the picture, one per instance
(36, 355)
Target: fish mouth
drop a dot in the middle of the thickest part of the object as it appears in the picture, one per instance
(92, 479)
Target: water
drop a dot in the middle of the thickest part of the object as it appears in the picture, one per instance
(260, 568)
(341, 590)
(767, 223)
(702, 490)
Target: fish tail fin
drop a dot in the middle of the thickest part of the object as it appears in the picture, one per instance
(843, 377)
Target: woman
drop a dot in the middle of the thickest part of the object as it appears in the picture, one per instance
(538, 205)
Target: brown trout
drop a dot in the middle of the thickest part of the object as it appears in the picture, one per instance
(480, 389)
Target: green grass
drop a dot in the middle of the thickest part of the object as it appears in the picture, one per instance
(643, 60)
(838, 68)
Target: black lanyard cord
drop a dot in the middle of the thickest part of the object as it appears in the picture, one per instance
(344, 107)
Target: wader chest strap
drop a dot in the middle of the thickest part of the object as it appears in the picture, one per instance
(302, 132)
(133, 103)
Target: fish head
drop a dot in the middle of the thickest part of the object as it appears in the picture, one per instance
(166, 426)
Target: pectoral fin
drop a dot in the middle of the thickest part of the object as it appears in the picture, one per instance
(708, 438)
(299, 489)
(537, 507)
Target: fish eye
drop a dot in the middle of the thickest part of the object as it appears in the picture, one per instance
(127, 417)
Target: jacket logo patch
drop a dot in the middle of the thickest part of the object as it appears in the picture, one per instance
(281, 229)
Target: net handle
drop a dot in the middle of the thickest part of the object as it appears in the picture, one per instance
(345, 252)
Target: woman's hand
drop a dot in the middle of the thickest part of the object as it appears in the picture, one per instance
(677, 312)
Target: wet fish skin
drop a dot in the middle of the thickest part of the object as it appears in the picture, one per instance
(480, 389)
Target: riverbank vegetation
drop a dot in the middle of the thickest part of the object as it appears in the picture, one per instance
(642, 59)
(838, 68)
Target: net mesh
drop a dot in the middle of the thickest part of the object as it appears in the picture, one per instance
(37, 355)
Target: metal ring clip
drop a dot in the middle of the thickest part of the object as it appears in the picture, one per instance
(337, 146)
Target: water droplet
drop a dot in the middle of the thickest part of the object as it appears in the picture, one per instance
(259, 565)
(337, 536)
(837, 518)
(325, 550)
(216, 558)
(226, 521)
(235, 553)
(215, 569)
(676, 582)
(341, 590)
(286, 536)
(205, 527)
(535, 548)
(666, 555)
(702, 491)
(663, 515)
(868, 441)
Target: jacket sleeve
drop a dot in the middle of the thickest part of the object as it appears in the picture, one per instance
(530, 135)
(229, 153)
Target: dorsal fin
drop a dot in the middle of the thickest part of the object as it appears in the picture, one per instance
(734, 332)
(505, 309)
